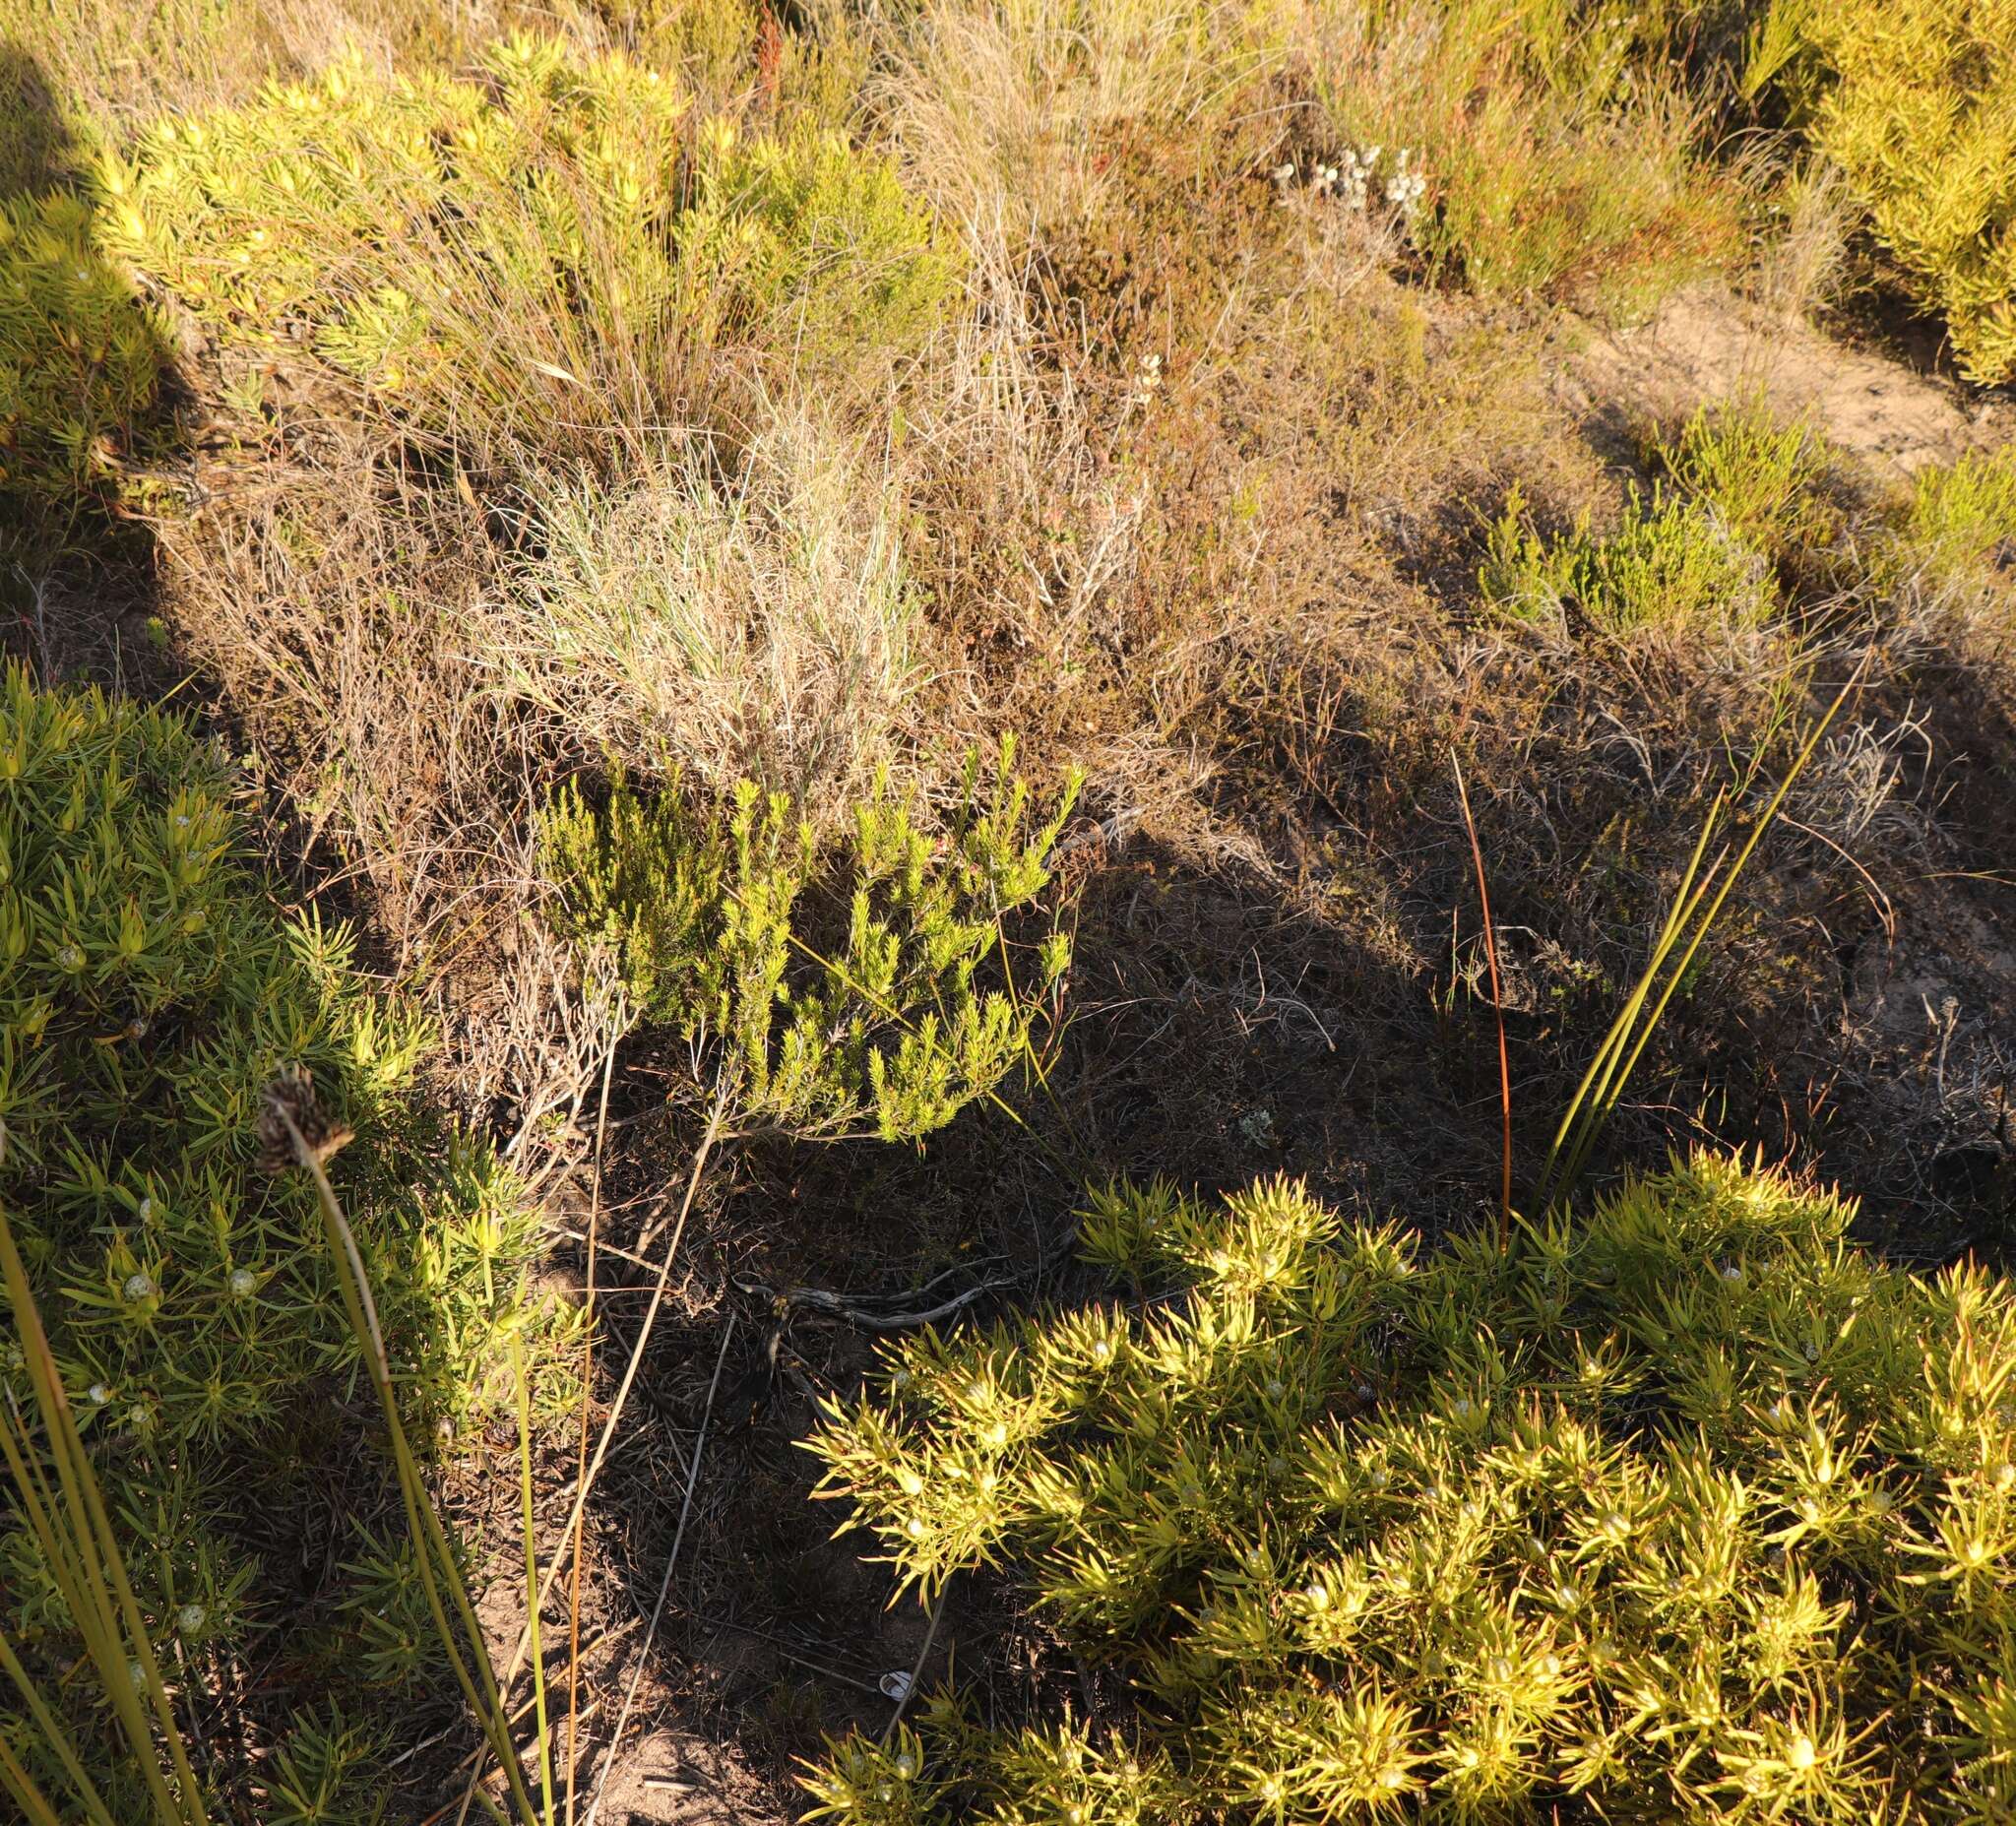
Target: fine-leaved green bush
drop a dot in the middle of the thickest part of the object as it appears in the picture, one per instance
(1960, 520)
(846, 991)
(1674, 564)
(150, 993)
(81, 358)
(534, 248)
(1764, 478)
(1688, 1511)
(1916, 102)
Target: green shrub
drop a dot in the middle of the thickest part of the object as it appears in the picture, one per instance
(81, 359)
(151, 992)
(1916, 105)
(1961, 522)
(845, 997)
(534, 249)
(1763, 478)
(1690, 1511)
(1673, 564)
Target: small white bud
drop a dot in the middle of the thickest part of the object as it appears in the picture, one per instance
(190, 1618)
(98, 1394)
(244, 1284)
(139, 1288)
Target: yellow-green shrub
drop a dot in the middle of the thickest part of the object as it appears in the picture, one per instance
(872, 1019)
(148, 992)
(1916, 102)
(544, 246)
(1690, 1511)
(81, 358)
(1962, 517)
(1674, 563)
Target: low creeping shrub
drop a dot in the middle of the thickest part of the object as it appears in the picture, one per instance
(1962, 517)
(1693, 1510)
(1764, 478)
(150, 994)
(845, 995)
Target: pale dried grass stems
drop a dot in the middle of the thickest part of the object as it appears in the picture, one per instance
(325, 605)
(996, 112)
(730, 617)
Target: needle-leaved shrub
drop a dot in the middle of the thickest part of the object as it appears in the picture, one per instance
(845, 989)
(150, 990)
(1691, 1510)
(544, 243)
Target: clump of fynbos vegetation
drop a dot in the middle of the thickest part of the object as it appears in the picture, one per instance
(1961, 522)
(752, 624)
(151, 992)
(1914, 103)
(1552, 147)
(81, 359)
(1691, 1510)
(1739, 499)
(871, 1018)
(1671, 564)
(545, 246)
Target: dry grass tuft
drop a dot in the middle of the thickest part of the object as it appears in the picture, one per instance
(754, 621)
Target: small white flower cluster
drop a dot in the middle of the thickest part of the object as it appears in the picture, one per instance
(1147, 381)
(1405, 184)
(1351, 179)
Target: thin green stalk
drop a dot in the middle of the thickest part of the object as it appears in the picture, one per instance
(531, 1575)
(1597, 1072)
(83, 1554)
(1696, 908)
(53, 1734)
(436, 1558)
(33, 1803)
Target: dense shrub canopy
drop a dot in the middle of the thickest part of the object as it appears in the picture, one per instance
(150, 993)
(1918, 105)
(1693, 1510)
(550, 237)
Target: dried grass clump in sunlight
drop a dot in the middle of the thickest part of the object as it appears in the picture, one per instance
(331, 616)
(754, 623)
(997, 112)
